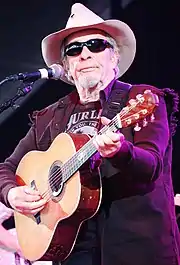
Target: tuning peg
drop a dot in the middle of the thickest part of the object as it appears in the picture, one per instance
(144, 111)
(140, 98)
(145, 122)
(147, 91)
(132, 102)
(152, 117)
(137, 128)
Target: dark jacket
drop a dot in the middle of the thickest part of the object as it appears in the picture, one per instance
(136, 222)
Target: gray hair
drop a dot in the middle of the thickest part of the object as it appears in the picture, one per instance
(116, 50)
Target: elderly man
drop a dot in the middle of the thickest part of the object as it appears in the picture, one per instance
(135, 223)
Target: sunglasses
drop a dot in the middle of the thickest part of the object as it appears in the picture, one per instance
(94, 45)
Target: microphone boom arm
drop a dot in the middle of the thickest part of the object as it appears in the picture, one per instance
(21, 92)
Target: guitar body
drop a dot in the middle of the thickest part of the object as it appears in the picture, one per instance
(52, 233)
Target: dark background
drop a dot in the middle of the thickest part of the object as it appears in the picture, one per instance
(24, 24)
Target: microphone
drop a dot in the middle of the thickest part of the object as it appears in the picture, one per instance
(55, 71)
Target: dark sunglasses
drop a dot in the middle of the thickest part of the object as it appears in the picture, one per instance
(94, 45)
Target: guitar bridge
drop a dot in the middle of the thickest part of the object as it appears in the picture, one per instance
(37, 216)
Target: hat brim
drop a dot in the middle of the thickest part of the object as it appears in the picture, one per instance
(118, 30)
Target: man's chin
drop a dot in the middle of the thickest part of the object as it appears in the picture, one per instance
(88, 82)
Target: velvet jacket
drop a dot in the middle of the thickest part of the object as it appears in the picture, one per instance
(136, 220)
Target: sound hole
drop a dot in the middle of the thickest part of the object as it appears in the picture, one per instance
(56, 178)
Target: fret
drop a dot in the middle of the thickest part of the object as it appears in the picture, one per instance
(85, 152)
(78, 159)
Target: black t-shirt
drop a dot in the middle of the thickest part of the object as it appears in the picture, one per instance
(85, 118)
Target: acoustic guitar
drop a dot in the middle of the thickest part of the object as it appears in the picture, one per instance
(62, 176)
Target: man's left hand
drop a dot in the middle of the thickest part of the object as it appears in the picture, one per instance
(110, 143)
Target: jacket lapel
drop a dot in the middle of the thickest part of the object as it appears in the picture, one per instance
(62, 114)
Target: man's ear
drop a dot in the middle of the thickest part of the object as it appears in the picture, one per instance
(66, 69)
(67, 73)
(114, 59)
(115, 63)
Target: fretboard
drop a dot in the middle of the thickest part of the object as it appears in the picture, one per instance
(84, 153)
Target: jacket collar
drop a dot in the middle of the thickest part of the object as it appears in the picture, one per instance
(73, 97)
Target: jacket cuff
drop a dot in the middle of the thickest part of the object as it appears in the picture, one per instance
(124, 156)
(5, 191)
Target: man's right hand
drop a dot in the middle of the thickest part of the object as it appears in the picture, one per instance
(26, 200)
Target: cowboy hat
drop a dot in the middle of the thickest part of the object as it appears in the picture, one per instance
(82, 18)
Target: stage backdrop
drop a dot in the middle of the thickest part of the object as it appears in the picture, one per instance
(24, 24)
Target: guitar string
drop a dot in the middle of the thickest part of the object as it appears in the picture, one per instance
(55, 174)
(48, 192)
(68, 164)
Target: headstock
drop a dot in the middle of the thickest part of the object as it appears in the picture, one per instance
(138, 109)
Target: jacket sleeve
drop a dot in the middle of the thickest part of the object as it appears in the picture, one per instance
(143, 159)
(8, 168)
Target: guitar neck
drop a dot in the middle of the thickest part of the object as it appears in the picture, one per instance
(85, 152)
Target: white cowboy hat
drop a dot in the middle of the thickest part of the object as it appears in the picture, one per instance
(83, 18)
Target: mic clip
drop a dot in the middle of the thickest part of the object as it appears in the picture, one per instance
(30, 77)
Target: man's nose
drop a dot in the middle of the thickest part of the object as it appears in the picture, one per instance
(85, 54)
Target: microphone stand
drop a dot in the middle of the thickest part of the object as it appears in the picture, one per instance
(21, 92)
(3, 81)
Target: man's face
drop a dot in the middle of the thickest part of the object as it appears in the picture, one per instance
(90, 68)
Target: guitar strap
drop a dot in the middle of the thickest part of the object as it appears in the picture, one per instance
(115, 103)
(117, 99)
